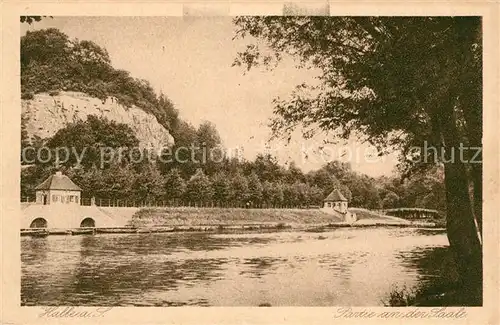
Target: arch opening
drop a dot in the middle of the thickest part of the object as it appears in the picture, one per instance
(87, 223)
(39, 223)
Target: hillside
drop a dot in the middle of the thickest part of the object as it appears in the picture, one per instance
(44, 115)
(80, 76)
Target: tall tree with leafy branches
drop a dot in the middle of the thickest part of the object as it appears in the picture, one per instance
(395, 82)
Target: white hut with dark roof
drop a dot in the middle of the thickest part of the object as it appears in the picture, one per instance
(336, 201)
(58, 189)
(58, 207)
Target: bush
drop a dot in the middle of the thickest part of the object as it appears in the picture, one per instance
(54, 92)
(401, 297)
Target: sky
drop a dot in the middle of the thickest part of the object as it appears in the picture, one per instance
(189, 59)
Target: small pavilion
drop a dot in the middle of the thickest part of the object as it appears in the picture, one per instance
(58, 189)
(58, 206)
(335, 201)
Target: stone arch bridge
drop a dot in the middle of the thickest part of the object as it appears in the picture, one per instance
(69, 217)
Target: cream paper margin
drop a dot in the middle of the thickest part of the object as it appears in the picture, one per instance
(11, 311)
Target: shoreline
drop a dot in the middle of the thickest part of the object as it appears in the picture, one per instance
(217, 229)
(226, 220)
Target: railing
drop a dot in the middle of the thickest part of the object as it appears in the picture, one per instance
(185, 204)
(177, 203)
(411, 213)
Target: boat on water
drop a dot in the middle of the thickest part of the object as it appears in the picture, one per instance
(35, 233)
(83, 231)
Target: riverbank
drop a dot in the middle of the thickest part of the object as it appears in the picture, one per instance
(189, 216)
(221, 229)
(442, 290)
(233, 217)
(224, 220)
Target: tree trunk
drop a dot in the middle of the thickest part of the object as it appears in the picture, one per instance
(477, 179)
(471, 95)
(473, 120)
(460, 221)
(461, 228)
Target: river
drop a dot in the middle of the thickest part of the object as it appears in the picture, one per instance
(342, 267)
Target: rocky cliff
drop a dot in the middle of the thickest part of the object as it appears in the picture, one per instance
(46, 114)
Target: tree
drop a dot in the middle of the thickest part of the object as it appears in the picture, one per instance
(390, 201)
(316, 196)
(346, 192)
(324, 180)
(267, 190)
(170, 112)
(254, 189)
(293, 173)
(148, 186)
(290, 195)
(31, 177)
(95, 141)
(198, 188)
(175, 186)
(221, 187)
(31, 19)
(303, 194)
(118, 182)
(425, 189)
(91, 60)
(181, 155)
(266, 167)
(277, 195)
(91, 180)
(44, 46)
(397, 82)
(239, 189)
(209, 153)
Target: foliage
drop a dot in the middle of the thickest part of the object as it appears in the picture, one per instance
(397, 82)
(149, 184)
(238, 188)
(260, 183)
(401, 297)
(31, 19)
(89, 138)
(254, 189)
(379, 76)
(221, 187)
(199, 188)
(175, 186)
(51, 62)
(390, 200)
(422, 189)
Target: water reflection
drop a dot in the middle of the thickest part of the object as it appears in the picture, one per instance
(258, 267)
(343, 267)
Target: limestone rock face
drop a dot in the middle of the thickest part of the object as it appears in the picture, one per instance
(45, 115)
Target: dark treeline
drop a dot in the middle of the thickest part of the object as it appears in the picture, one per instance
(224, 181)
(51, 62)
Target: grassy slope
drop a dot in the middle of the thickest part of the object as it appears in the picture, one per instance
(363, 214)
(230, 216)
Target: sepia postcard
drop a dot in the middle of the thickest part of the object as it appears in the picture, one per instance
(261, 163)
